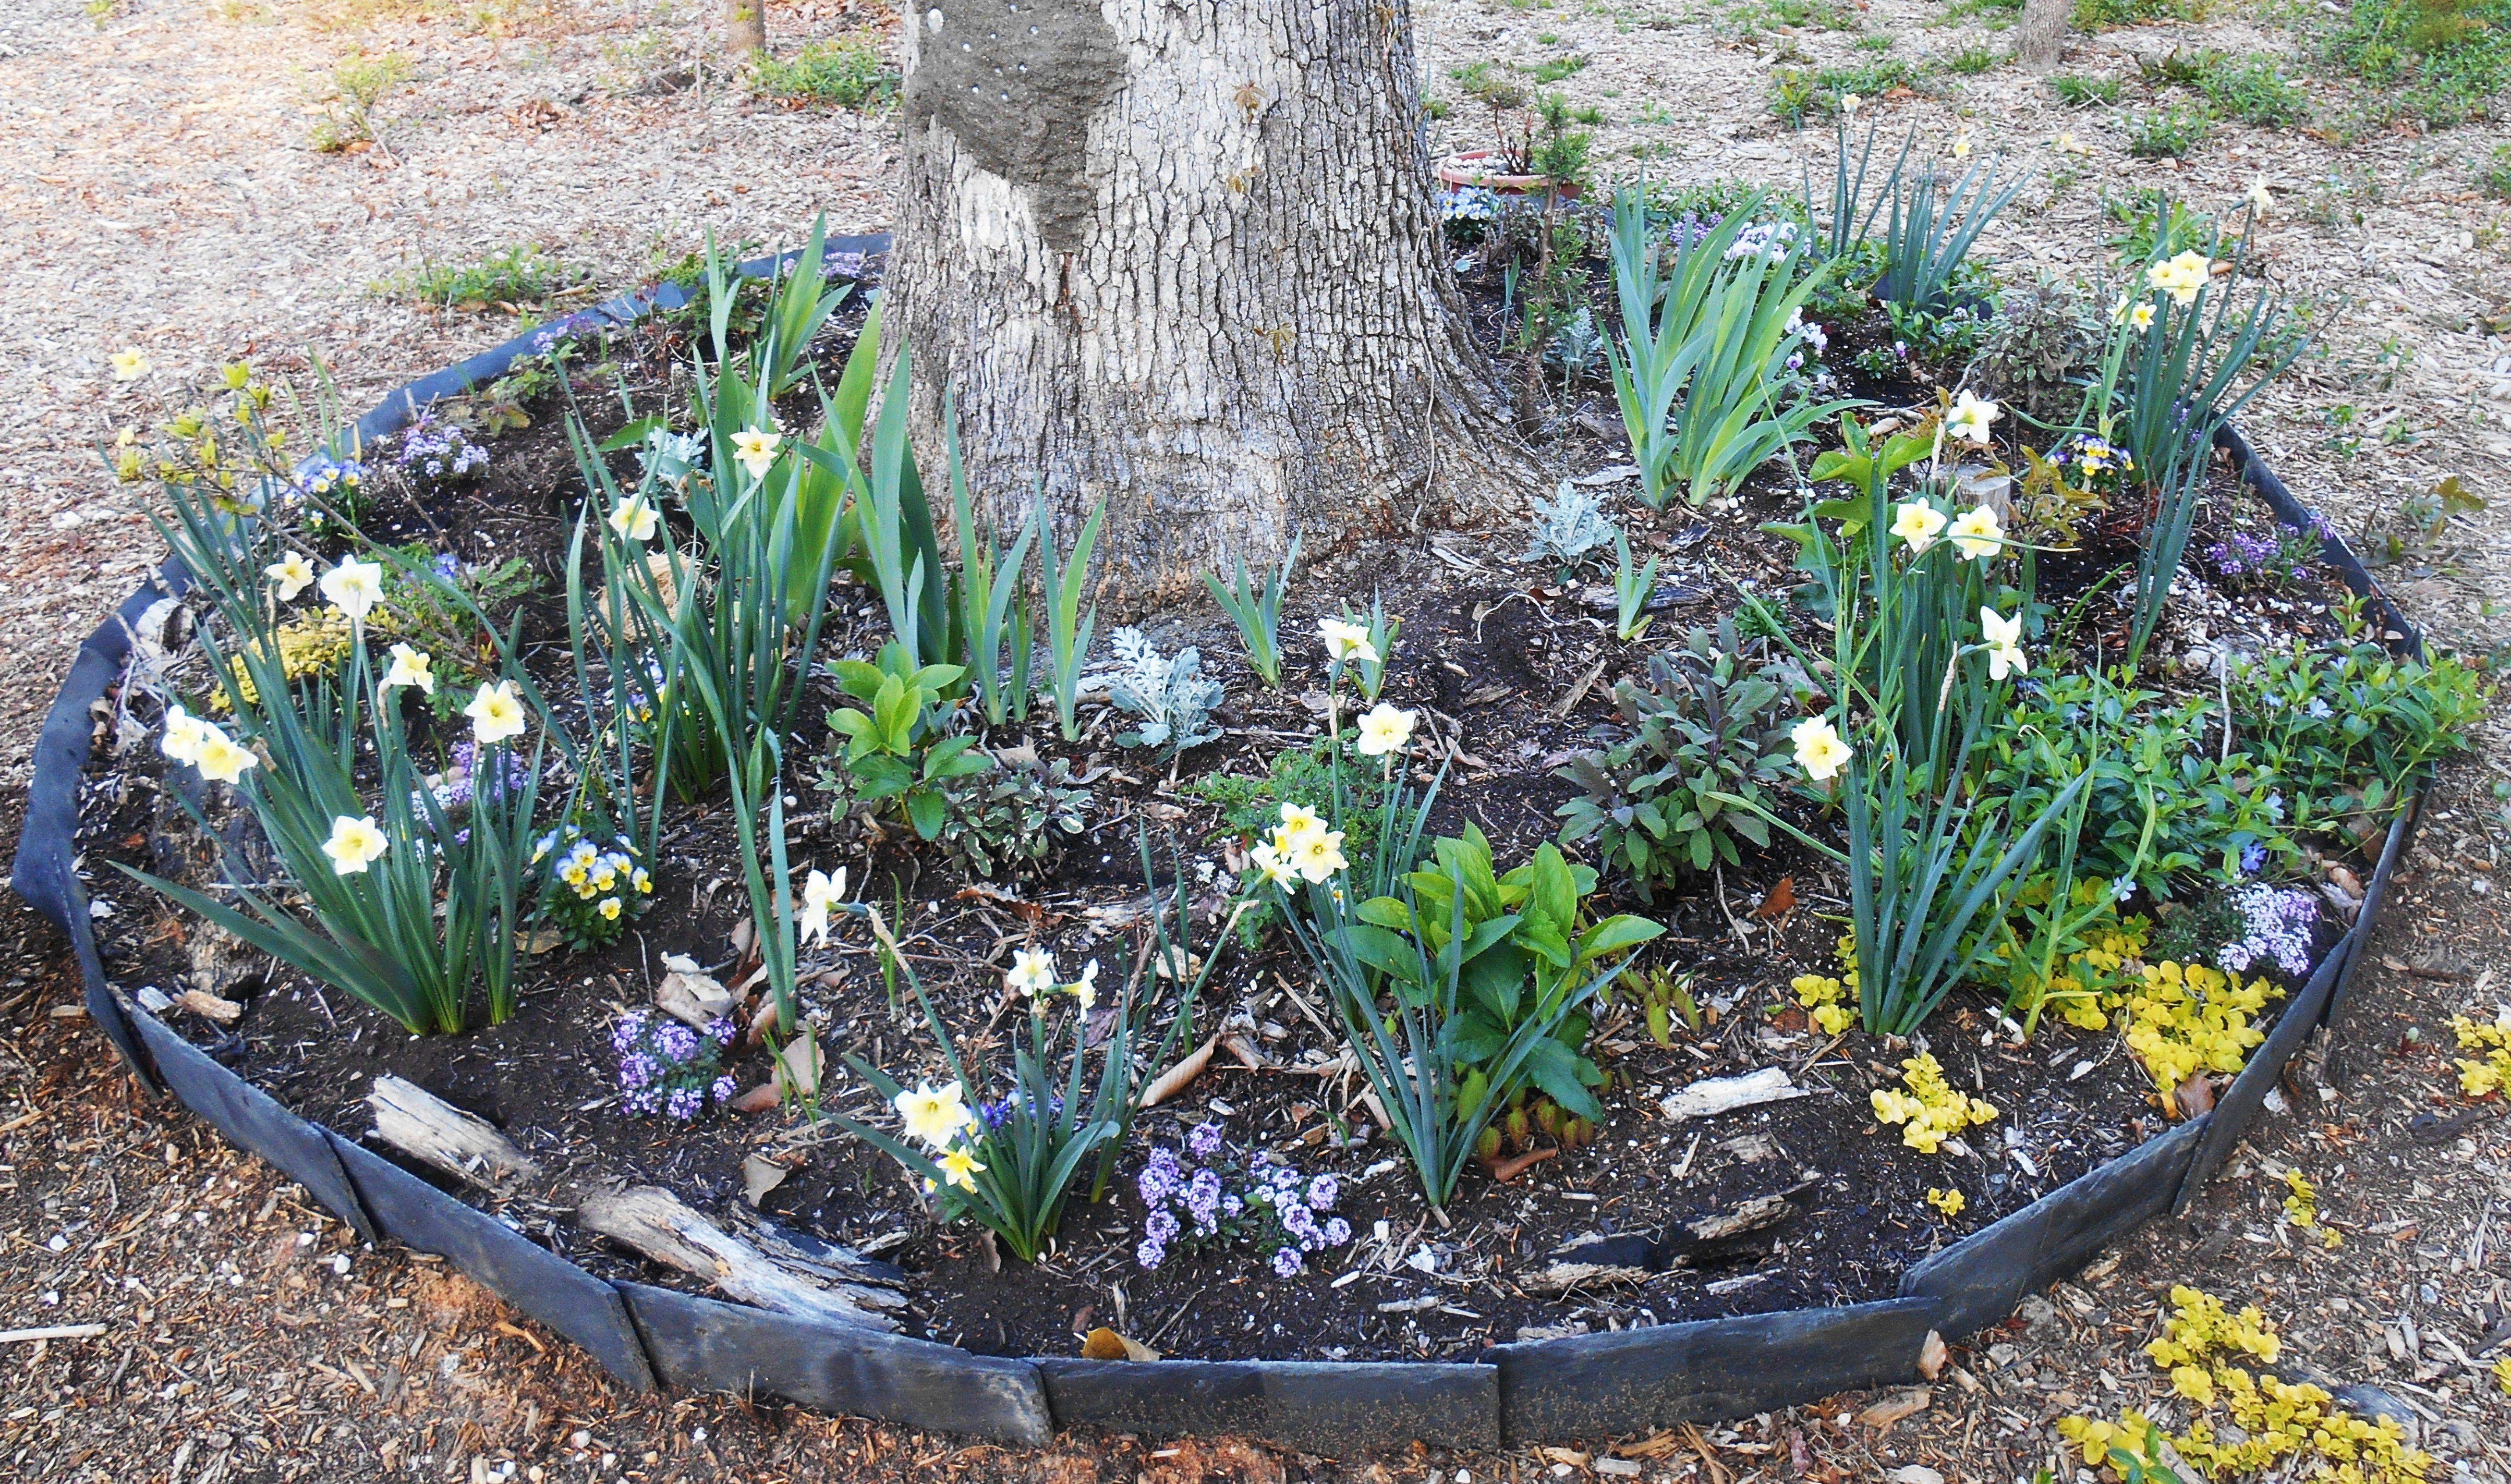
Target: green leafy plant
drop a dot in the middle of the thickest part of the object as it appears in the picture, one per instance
(2170, 133)
(2347, 729)
(894, 749)
(2443, 63)
(1972, 59)
(358, 84)
(1257, 610)
(2044, 343)
(1011, 818)
(1705, 724)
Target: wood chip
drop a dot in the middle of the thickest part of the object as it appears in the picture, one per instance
(1725, 1094)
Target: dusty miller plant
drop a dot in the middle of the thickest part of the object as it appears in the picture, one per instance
(1171, 696)
(1570, 528)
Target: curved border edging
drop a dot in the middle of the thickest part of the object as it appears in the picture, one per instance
(1590, 1386)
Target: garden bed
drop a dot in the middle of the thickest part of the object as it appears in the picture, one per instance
(1799, 1204)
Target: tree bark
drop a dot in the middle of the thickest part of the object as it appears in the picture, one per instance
(1183, 255)
(745, 28)
(2040, 32)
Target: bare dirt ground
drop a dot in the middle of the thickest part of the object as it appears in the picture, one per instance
(157, 193)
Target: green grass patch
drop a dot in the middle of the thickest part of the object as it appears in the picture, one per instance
(522, 277)
(1798, 94)
(2076, 90)
(845, 72)
(2111, 14)
(2440, 62)
(2495, 173)
(1972, 61)
(2255, 91)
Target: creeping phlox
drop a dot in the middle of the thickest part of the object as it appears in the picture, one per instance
(2301, 1209)
(2490, 1070)
(593, 891)
(1266, 1203)
(2245, 1424)
(2188, 1017)
(938, 1118)
(666, 1068)
(1300, 847)
(1926, 1106)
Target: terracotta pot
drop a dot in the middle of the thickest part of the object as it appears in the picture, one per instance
(1477, 167)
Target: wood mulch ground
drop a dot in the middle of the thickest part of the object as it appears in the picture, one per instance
(156, 191)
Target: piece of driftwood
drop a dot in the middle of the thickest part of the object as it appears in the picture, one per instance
(1594, 1261)
(648, 1219)
(661, 1225)
(1724, 1094)
(436, 1134)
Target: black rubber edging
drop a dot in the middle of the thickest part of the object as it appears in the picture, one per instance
(1585, 1387)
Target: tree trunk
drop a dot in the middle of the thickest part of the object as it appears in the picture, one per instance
(745, 28)
(1183, 255)
(2040, 32)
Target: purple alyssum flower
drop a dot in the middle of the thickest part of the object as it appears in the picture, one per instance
(1267, 1201)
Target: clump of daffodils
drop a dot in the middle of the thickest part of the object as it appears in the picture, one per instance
(1300, 849)
(1926, 1106)
(593, 891)
(2182, 277)
(2185, 1018)
(2490, 1070)
(1032, 976)
(2245, 1424)
(938, 1118)
(1826, 1000)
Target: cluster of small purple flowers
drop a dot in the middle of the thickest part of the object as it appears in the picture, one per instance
(2275, 925)
(2242, 554)
(666, 1068)
(1692, 226)
(436, 452)
(1269, 1203)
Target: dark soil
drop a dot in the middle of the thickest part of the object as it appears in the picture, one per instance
(1513, 668)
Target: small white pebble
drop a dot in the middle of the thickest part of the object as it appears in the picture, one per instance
(698, 1436)
(59, 1243)
(580, 1439)
(304, 1238)
(341, 1264)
